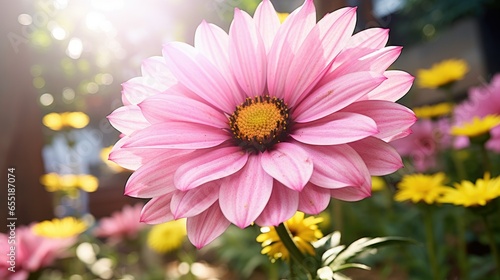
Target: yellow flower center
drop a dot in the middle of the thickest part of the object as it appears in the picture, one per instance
(259, 122)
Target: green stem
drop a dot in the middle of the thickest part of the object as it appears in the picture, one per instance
(459, 165)
(462, 245)
(486, 159)
(337, 215)
(295, 254)
(429, 235)
(493, 245)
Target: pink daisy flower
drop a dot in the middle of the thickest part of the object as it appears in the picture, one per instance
(33, 252)
(253, 125)
(482, 101)
(121, 224)
(428, 138)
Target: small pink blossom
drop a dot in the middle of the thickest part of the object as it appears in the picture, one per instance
(423, 146)
(255, 124)
(122, 224)
(32, 252)
(483, 100)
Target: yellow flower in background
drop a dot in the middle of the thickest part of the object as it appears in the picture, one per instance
(378, 183)
(69, 182)
(53, 121)
(76, 119)
(477, 127)
(88, 183)
(166, 237)
(433, 111)
(442, 73)
(304, 231)
(58, 121)
(104, 154)
(60, 228)
(282, 16)
(421, 187)
(468, 194)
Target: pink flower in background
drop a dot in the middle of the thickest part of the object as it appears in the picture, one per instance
(482, 101)
(121, 224)
(253, 125)
(428, 138)
(33, 252)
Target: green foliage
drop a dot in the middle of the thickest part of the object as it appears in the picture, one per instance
(338, 257)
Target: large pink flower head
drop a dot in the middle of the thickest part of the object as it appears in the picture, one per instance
(253, 125)
(482, 101)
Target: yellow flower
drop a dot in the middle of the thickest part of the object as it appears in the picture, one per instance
(378, 183)
(469, 194)
(304, 232)
(88, 182)
(433, 111)
(60, 228)
(104, 154)
(476, 127)
(76, 119)
(442, 73)
(282, 16)
(56, 121)
(53, 121)
(421, 187)
(69, 182)
(166, 237)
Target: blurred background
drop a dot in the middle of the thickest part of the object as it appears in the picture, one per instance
(63, 62)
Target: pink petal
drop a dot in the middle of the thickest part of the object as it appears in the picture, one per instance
(133, 158)
(313, 199)
(156, 69)
(380, 157)
(335, 95)
(205, 227)
(164, 108)
(177, 135)
(288, 40)
(282, 206)
(157, 210)
(217, 163)
(375, 61)
(155, 177)
(398, 83)
(338, 166)
(198, 74)
(137, 89)
(289, 164)
(267, 22)
(319, 48)
(128, 119)
(350, 193)
(213, 42)
(374, 38)
(244, 195)
(191, 203)
(391, 118)
(247, 54)
(339, 128)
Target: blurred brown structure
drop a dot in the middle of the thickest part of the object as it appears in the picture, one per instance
(20, 118)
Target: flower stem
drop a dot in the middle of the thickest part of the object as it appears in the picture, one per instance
(486, 159)
(295, 254)
(429, 236)
(462, 246)
(493, 245)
